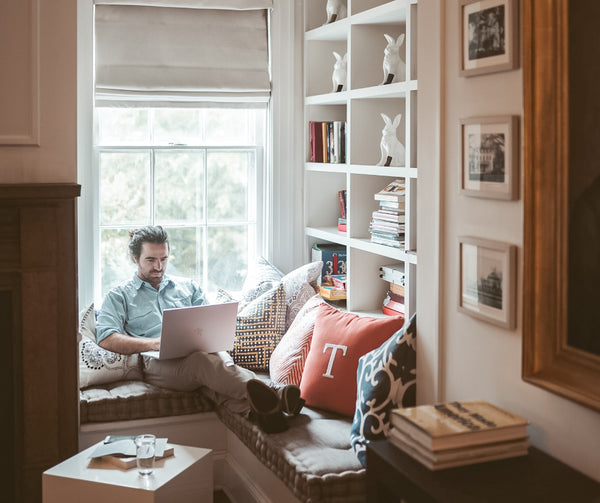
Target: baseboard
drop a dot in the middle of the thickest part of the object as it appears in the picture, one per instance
(248, 480)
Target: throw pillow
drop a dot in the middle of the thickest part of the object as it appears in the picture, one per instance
(262, 278)
(99, 366)
(339, 340)
(259, 328)
(298, 286)
(289, 357)
(386, 378)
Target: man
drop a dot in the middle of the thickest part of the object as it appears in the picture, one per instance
(130, 322)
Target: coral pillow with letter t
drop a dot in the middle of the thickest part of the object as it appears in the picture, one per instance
(339, 340)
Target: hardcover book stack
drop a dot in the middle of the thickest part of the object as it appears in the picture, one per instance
(387, 222)
(327, 141)
(393, 304)
(458, 433)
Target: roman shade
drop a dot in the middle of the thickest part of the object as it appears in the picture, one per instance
(181, 50)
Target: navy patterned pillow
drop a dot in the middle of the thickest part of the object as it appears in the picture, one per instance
(386, 378)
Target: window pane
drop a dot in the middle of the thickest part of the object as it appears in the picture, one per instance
(123, 126)
(124, 188)
(228, 183)
(115, 265)
(179, 186)
(231, 126)
(185, 256)
(177, 125)
(227, 257)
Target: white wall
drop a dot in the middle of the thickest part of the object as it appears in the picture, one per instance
(477, 359)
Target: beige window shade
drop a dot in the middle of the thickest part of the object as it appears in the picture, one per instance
(181, 54)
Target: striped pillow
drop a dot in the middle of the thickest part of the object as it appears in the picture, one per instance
(288, 358)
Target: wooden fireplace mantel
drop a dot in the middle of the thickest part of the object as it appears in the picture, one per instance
(38, 300)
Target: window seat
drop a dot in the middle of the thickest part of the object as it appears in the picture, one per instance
(313, 459)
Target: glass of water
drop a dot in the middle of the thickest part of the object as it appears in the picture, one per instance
(145, 449)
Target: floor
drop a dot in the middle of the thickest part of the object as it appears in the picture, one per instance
(221, 497)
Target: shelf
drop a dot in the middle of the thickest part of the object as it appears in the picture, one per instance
(361, 35)
(326, 167)
(389, 13)
(398, 254)
(397, 90)
(330, 234)
(327, 99)
(333, 31)
(398, 172)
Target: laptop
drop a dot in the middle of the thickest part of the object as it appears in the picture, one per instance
(209, 328)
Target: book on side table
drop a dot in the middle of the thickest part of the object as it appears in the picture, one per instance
(121, 452)
(458, 433)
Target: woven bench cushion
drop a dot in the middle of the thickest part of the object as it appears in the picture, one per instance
(313, 457)
(126, 400)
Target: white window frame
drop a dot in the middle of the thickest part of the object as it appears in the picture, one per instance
(258, 223)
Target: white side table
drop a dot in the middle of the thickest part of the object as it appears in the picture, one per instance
(187, 476)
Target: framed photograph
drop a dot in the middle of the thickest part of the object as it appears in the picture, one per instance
(487, 280)
(489, 36)
(490, 157)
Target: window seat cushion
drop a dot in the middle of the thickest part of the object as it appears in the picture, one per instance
(313, 457)
(127, 400)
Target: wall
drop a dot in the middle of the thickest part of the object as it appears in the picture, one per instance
(475, 359)
(39, 45)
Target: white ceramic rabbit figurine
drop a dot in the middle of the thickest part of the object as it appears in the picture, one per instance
(392, 151)
(394, 69)
(340, 72)
(336, 9)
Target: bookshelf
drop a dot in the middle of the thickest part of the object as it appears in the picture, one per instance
(361, 35)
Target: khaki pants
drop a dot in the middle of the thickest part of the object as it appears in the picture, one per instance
(224, 382)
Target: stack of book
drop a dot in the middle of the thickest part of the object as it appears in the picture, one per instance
(393, 304)
(458, 433)
(387, 222)
(327, 141)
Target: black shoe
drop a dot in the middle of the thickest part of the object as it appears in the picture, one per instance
(266, 406)
(290, 399)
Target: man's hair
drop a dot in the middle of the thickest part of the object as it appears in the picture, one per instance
(149, 234)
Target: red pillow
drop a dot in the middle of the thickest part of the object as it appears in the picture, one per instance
(339, 340)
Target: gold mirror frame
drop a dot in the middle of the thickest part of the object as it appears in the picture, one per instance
(547, 359)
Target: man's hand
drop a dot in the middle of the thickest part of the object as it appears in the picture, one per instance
(128, 345)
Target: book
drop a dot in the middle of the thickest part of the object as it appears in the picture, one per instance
(332, 293)
(393, 273)
(342, 225)
(342, 200)
(384, 240)
(120, 450)
(333, 257)
(336, 280)
(392, 205)
(458, 424)
(394, 191)
(451, 458)
(390, 312)
(394, 302)
(386, 215)
(127, 462)
(397, 289)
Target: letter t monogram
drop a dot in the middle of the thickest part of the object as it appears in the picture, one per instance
(334, 348)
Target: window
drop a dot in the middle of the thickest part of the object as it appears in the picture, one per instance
(198, 172)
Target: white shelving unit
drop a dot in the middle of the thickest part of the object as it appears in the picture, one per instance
(361, 35)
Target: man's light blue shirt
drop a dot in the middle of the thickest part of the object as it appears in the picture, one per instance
(135, 307)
